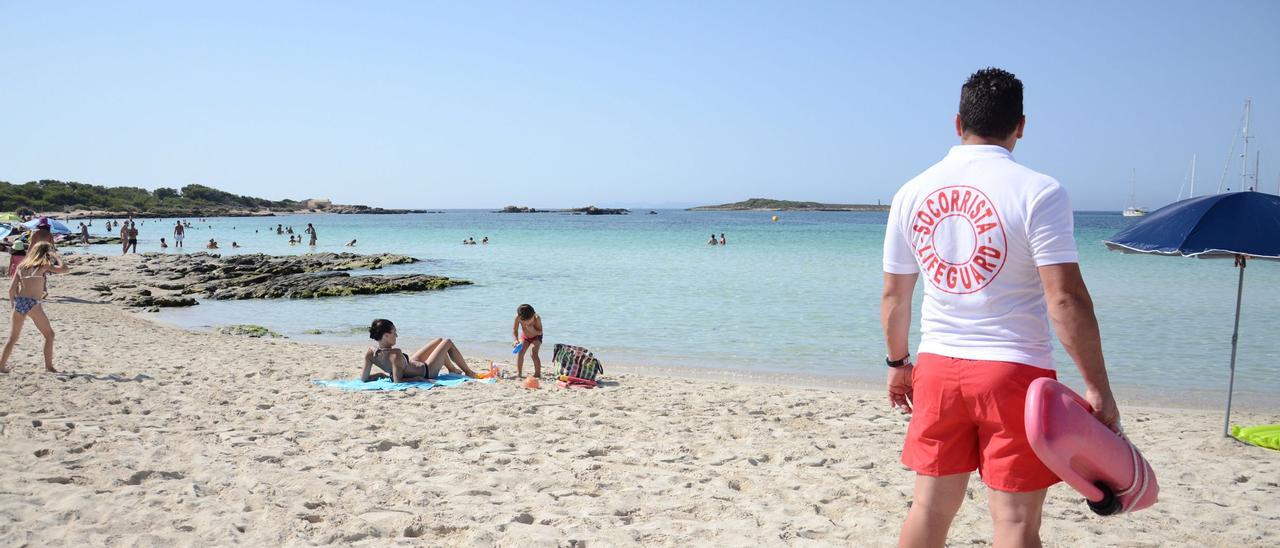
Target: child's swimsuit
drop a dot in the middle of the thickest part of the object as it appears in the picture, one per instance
(24, 304)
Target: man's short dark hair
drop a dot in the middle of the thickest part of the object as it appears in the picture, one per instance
(991, 103)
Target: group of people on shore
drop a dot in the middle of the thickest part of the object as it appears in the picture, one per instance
(20, 241)
(128, 233)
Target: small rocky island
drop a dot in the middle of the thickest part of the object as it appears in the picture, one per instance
(161, 280)
(589, 210)
(766, 204)
(593, 210)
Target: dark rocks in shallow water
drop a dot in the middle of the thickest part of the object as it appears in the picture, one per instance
(74, 239)
(266, 277)
(518, 209)
(249, 330)
(312, 285)
(163, 301)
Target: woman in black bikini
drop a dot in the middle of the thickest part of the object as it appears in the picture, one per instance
(426, 363)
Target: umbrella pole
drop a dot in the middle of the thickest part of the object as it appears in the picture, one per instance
(1235, 338)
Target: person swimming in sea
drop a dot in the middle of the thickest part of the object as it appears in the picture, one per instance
(712, 241)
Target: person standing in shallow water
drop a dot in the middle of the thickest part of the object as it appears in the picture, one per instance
(124, 238)
(995, 242)
(312, 231)
(712, 241)
(179, 233)
(133, 237)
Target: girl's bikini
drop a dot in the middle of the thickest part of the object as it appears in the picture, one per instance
(25, 304)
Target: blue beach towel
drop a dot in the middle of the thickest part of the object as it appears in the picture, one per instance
(444, 381)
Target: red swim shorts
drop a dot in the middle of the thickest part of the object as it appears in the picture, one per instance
(967, 415)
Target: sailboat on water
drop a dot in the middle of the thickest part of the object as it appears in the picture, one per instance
(1247, 181)
(1192, 193)
(1133, 210)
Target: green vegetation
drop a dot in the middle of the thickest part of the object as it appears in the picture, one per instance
(51, 196)
(766, 204)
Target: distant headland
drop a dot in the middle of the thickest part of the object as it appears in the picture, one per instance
(77, 200)
(766, 204)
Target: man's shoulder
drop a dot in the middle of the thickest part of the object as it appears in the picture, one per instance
(914, 184)
(1033, 178)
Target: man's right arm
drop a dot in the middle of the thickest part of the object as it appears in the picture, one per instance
(1077, 327)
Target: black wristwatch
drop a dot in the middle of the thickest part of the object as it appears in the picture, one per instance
(897, 363)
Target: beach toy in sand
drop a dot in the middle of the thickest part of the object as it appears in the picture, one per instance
(1098, 463)
(775, 218)
(531, 383)
(492, 373)
(575, 381)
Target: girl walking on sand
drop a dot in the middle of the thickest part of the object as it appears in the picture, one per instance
(27, 289)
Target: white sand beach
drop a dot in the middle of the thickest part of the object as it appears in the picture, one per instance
(155, 436)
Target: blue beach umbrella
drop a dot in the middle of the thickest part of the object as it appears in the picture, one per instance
(1236, 225)
(55, 227)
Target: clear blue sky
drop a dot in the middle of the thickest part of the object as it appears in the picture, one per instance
(551, 104)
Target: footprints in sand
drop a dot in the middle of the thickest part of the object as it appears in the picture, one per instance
(387, 445)
(140, 476)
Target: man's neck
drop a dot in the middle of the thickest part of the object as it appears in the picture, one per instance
(971, 139)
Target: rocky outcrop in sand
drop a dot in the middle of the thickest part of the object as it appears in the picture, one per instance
(161, 280)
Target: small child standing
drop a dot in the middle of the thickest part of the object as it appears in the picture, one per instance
(530, 323)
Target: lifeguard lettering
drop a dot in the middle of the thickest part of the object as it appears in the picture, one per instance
(958, 239)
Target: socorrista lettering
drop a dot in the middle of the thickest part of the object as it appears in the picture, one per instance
(958, 238)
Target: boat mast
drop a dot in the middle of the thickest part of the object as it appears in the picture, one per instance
(1244, 162)
(1226, 166)
(1257, 159)
(1193, 177)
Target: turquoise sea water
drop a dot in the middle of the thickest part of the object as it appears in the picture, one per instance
(795, 297)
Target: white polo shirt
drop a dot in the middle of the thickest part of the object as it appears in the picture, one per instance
(976, 226)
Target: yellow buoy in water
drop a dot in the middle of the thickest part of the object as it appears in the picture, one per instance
(775, 218)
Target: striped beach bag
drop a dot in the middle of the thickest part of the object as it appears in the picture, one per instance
(577, 362)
